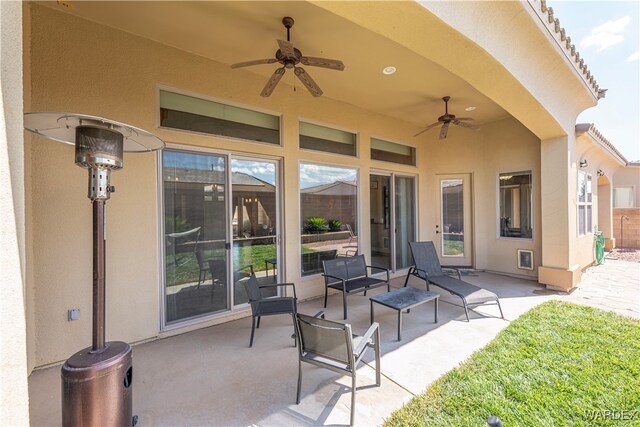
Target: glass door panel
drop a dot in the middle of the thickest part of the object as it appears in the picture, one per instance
(195, 224)
(379, 193)
(454, 223)
(254, 221)
(405, 224)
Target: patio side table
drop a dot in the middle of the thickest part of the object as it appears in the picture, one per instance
(405, 299)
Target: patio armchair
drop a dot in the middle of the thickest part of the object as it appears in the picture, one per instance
(269, 306)
(427, 267)
(350, 275)
(331, 345)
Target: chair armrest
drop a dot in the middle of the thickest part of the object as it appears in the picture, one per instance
(366, 338)
(319, 314)
(457, 270)
(273, 285)
(372, 267)
(426, 275)
(334, 277)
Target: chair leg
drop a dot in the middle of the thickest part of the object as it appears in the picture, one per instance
(299, 381)
(344, 304)
(407, 279)
(353, 397)
(253, 329)
(466, 311)
(326, 291)
(294, 336)
(258, 326)
(376, 349)
(501, 314)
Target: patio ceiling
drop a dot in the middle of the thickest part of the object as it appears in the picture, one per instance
(230, 32)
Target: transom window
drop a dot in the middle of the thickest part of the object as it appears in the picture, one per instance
(321, 138)
(392, 152)
(516, 219)
(185, 112)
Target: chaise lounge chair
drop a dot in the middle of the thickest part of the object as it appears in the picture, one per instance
(427, 267)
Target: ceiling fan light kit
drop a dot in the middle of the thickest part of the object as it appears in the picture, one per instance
(447, 119)
(289, 57)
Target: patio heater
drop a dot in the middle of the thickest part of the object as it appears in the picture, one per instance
(96, 381)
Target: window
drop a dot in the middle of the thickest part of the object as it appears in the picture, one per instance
(585, 200)
(328, 214)
(320, 138)
(623, 197)
(198, 115)
(392, 152)
(516, 205)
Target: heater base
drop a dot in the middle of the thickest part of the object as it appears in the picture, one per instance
(97, 387)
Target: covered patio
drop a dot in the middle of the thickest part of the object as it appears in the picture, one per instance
(211, 377)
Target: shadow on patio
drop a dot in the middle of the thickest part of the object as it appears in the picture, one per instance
(211, 376)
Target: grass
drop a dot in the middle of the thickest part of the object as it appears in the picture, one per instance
(187, 270)
(560, 364)
(453, 247)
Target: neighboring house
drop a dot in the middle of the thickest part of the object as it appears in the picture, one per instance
(626, 206)
(517, 183)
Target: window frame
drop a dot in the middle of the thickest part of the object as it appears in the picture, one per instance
(587, 203)
(314, 276)
(200, 96)
(411, 147)
(498, 207)
(333, 127)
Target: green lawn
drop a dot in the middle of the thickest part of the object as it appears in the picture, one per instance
(559, 364)
(187, 270)
(453, 247)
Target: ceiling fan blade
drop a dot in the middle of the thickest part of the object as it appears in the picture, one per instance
(465, 118)
(431, 126)
(273, 82)
(465, 125)
(286, 48)
(333, 64)
(444, 130)
(308, 82)
(256, 62)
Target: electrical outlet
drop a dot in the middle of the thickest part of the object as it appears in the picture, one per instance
(74, 314)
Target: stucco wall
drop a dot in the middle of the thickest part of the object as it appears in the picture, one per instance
(500, 147)
(14, 399)
(82, 67)
(629, 177)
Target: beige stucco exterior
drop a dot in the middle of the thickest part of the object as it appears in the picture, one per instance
(72, 64)
(14, 397)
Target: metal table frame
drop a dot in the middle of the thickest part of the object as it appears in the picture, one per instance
(405, 299)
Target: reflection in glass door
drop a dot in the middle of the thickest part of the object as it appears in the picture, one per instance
(379, 193)
(195, 224)
(392, 224)
(254, 222)
(405, 211)
(454, 225)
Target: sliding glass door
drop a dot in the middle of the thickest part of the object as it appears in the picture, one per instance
(220, 225)
(392, 213)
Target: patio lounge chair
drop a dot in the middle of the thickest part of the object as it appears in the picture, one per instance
(427, 267)
(331, 345)
(267, 306)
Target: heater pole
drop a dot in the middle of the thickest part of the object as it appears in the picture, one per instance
(99, 245)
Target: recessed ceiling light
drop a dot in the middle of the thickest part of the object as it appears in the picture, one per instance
(389, 70)
(471, 108)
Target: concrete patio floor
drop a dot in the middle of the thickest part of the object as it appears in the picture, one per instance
(211, 377)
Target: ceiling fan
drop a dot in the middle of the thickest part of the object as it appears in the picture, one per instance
(446, 119)
(290, 57)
